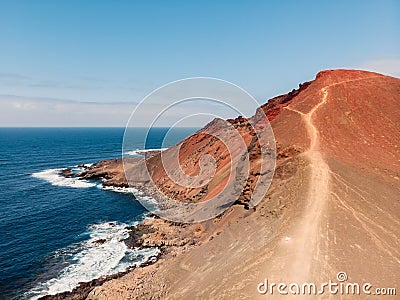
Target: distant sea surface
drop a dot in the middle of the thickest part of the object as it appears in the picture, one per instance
(49, 225)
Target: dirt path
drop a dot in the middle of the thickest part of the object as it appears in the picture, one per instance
(304, 256)
(306, 238)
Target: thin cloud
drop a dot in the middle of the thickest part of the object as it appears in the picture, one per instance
(13, 76)
(15, 79)
(18, 111)
(389, 66)
(58, 85)
(94, 79)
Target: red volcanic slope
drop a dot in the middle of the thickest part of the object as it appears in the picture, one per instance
(359, 123)
(360, 110)
(333, 205)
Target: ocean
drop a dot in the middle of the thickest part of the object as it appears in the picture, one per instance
(49, 225)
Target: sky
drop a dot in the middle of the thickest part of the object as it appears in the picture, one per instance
(89, 63)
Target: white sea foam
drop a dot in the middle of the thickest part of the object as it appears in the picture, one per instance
(80, 168)
(116, 189)
(55, 178)
(104, 253)
(142, 152)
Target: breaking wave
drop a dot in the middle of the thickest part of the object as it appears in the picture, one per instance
(55, 178)
(103, 253)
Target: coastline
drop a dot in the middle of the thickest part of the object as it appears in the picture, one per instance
(84, 288)
(171, 238)
(228, 228)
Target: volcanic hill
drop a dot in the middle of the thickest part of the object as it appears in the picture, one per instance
(333, 206)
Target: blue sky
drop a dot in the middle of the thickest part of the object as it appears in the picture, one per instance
(116, 52)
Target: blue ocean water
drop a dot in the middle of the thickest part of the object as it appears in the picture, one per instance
(49, 225)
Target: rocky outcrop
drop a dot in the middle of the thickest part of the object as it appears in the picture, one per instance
(67, 173)
(274, 106)
(111, 172)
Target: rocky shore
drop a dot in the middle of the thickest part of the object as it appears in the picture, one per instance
(172, 238)
(84, 288)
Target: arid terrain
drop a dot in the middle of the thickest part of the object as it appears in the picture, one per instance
(333, 205)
